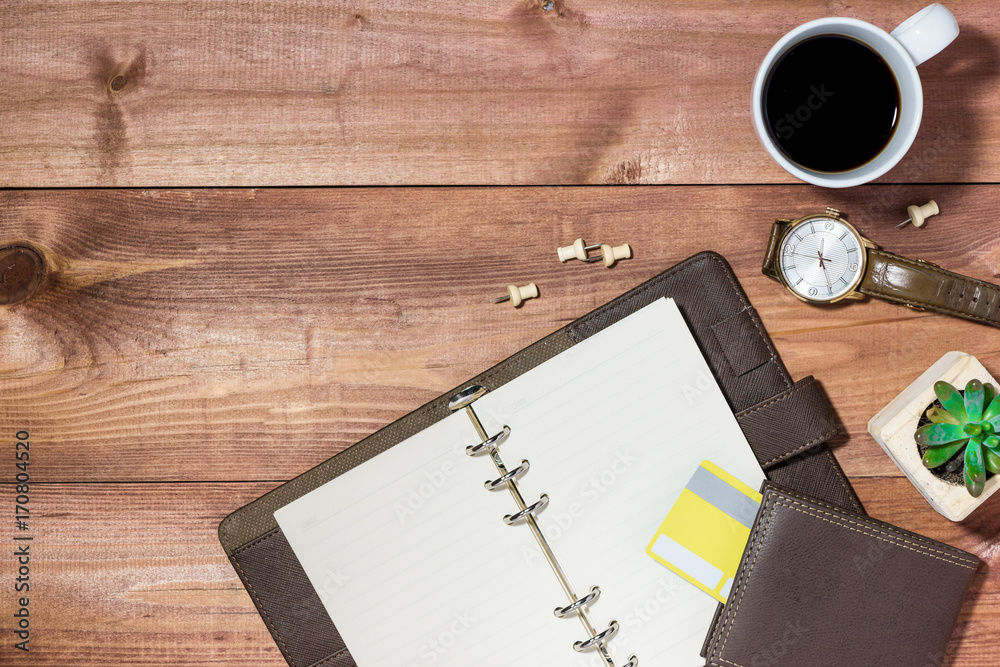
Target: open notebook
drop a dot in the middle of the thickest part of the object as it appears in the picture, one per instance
(412, 560)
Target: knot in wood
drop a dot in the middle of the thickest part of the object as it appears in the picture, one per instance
(21, 272)
(116, 83)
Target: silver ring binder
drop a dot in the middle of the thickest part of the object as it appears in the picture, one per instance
(562, 612)
(526, 513)
(597, 639)
(489, 444)
(467, 396)
(511, 519)
(501, 482)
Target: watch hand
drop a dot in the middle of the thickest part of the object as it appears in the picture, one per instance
(800, 254)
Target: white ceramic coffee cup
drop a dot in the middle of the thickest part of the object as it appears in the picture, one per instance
(918, 38)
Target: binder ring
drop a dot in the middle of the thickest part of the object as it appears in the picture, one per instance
(597, 639)
(585, 601)
(464, 400)
(501, 482)
(466, 397)
(490, 443)
(511, 519)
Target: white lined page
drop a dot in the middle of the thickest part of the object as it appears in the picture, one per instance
(416, 568)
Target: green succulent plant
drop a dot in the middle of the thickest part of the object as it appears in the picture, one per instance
(972, 422)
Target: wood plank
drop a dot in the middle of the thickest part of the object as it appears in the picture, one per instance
(201, 93)
(190, 329)
(226, 335)
(132, 574)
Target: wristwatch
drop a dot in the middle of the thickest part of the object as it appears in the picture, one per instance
(822, 258)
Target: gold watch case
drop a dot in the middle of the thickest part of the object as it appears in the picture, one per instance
(864, 243)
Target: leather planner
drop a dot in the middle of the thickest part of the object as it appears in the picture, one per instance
(787, 424)
(822, 586)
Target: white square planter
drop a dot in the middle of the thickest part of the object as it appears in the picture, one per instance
(894, 425)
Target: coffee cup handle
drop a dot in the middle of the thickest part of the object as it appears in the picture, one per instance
(926, 33)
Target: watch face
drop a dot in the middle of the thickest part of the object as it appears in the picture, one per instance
(822, 259)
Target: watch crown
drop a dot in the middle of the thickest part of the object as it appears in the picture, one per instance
(832, 212)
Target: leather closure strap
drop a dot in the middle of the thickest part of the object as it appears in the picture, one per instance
(790, 423)
(924, 285)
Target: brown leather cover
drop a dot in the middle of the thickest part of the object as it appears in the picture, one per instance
(786, 424)
(928, 286)
(821, 586)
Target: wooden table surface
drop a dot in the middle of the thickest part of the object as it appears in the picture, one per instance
(209, 328)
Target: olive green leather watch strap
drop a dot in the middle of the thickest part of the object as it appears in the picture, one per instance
(770, 266)
(924, 285)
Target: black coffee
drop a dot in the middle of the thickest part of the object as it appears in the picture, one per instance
(831, 103)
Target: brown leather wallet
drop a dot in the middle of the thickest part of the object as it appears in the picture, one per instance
(786, 423)
(822, 586)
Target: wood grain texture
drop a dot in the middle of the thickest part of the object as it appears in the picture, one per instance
(131, 574)
(149, 585)
(203, 93)
(216, 325)
(189, 349)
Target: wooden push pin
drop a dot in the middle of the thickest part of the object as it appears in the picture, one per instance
(518, 295)
(919, 214)
(613, 254)
(579, 250)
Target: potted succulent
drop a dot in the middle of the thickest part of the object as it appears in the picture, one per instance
(961, 434)
(946, 440)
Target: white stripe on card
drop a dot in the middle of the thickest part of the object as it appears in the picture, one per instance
(688, 561)
(725, 589)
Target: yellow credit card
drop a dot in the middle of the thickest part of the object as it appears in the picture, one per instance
(703, 537)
